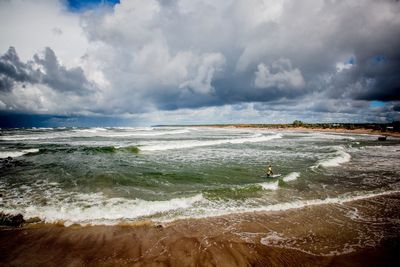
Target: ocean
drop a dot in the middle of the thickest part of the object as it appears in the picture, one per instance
(119, 175)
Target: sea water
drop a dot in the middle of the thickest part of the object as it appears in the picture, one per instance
(113, 175)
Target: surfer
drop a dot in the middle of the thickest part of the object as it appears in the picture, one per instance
(269, 171)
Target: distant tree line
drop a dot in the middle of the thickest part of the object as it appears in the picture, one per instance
(383, 127)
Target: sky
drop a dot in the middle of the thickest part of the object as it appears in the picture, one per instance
(147, 62)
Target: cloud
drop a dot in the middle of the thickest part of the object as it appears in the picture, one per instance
(279, 74)
(43, 85)
(144, 57)
(13, 70)
(59, 77)
(30, 26)
(203, 75)
(44, 69)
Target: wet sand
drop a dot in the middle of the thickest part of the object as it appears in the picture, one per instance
(359, 233)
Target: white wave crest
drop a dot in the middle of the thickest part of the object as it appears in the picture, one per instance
(95, 132)
(183, 131)
(197, 143)
(340, 157)
(270, 186)
(19, 153)
(90, 130)
(97, 209)
(291, 176)
(331, 136)
(219, 209)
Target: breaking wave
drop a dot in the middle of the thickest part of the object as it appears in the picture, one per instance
(46, 134)
(18, 153)
(291, 176)
(340, 156)
(56, 205)
(270, 186)
(94, 208)
(197, 143)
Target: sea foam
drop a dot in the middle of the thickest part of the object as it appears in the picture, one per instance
(340, 156)
(291, 176)
(18, 153)
(270, 186)
(94, 132)
(197, 143)
(97, 209)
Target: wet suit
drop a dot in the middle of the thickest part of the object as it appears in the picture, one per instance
(269, 172)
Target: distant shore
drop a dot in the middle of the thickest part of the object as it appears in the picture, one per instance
(250, 239)
(357, 129)
(347, 131)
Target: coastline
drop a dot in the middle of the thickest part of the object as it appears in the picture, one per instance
(307, 236)
(338, 130)
(346, 131)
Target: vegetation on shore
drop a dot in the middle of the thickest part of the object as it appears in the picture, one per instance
(381, 127)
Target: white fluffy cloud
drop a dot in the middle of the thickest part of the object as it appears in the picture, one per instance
(30, 26)
(280, 74)
(206, 67)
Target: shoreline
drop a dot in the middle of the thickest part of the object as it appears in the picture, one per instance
(346, 131)
(338, 130)
(307, 236)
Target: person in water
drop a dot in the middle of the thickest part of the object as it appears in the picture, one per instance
(269, 171)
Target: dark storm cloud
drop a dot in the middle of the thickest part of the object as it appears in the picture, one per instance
(271, 50)
(59, 77)
(368, 80)
(300, 57)
(44, 69)
(381, 78)
(12, 69)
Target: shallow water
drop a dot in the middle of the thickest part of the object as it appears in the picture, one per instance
(109, 175)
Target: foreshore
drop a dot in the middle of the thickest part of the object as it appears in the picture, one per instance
(320, 235)
(338, 130)
(346, 131)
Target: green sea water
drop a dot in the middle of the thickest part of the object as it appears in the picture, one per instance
(109, 175)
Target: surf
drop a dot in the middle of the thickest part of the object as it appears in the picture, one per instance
(17, 153)
(340, 156)
(198, 143)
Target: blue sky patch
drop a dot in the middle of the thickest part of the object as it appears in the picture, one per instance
(379, 58)
(81, 5)
(351, 61)
(376, 104)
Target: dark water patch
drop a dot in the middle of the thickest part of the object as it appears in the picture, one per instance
(281, 183)
(182, 177)
(56, 148)
(100, 149)
(130, 149)
(87, 149)
(11, 220)
(237, 193)
(14, 166)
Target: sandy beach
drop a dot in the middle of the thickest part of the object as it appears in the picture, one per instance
(338, 130)
(296, 237)
(348, 131)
